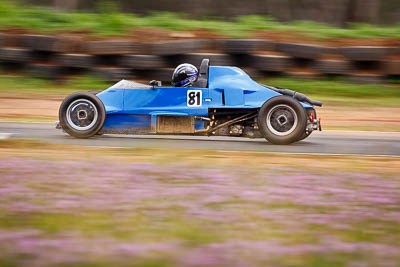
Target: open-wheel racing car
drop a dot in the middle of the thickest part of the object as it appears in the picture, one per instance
(222, 101)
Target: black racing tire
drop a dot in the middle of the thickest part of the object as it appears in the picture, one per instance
(272, 63)
(15, 54)
(243, 46)
(82, 114)
(113, 47)
(364, 53)
(172, 48)
(392, 67)
(304, 136)
(306, 51)
(83, 61)
(282, 120)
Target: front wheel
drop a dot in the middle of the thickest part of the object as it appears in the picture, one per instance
(282, 120)
(82, 114)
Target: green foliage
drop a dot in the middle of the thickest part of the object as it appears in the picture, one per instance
(30, 85)
(109, 21)
(107, 6)
(36, 86)
(88, 83)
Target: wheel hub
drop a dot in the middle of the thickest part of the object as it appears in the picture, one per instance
(282, 120)
(82, 114)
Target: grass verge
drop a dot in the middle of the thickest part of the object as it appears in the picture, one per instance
(29, 87)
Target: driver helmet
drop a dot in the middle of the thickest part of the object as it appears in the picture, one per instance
(184, 75)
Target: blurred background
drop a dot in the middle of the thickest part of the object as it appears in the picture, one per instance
(335, 12)
(355, 40)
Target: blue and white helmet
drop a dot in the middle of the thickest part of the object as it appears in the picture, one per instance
(184, 75)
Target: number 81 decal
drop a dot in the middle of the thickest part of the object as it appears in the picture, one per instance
(194, 98)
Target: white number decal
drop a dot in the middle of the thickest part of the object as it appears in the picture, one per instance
(194, 98)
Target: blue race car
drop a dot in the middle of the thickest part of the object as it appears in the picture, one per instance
(221, 101)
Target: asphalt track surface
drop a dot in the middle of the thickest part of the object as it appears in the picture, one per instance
(324, 143)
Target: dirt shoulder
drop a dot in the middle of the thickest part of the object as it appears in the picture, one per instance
(334, 117)
(28, 109)
(369, 118)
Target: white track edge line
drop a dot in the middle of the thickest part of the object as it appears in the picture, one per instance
(4, 136)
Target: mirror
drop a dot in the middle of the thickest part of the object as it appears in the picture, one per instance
(155, 83)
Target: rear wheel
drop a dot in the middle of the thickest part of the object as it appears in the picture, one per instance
(310, 115)
(282, 120)
(82, 114)
(304, 136)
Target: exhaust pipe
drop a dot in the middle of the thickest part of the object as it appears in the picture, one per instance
(300, 97)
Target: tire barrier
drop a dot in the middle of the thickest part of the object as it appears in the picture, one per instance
(170, 48)
(2, 40)
(18, 55)
(392, 67)
(216, 59)
(364, 53)
(143, 62)
(113, 74)
(45, 71)
(56, 56)
(301, 50)
(273, 63)
(45, 43)
(244, 46)
(112, 47)
(332, 66)
(83, 61)
(11, 40)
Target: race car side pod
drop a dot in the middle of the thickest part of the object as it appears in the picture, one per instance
(300, 97)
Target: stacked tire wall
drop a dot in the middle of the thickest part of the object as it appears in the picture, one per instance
(57, 57)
